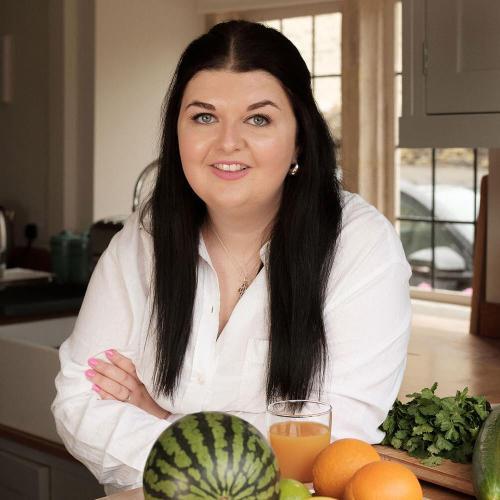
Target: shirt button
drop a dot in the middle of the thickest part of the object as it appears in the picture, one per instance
(200, 378)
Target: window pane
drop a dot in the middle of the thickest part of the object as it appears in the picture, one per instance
(299, 31)
(398, 38)
(327, 59)
(328, 95)
(272, 23)
(453, 256)
(416, 239)
(327, 39)
(415, 182)
(454, 198)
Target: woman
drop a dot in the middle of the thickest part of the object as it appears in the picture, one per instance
(248, 277)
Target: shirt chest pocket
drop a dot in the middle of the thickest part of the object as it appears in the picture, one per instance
(252, 395)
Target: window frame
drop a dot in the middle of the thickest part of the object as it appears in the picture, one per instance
(332, 6)
(313, 9)
(438, 294)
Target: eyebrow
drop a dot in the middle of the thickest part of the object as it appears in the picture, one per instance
(253, 106)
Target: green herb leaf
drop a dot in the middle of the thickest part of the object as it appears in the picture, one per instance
(401, 434)
(432, 428)
(432, 461)
(421, 429)
(442, 443)
(396, 443)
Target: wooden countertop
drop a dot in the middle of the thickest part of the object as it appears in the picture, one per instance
(431, 492)
(441, 350)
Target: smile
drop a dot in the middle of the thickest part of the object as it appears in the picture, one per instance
(234, 167)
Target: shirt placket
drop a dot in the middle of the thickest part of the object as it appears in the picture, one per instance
(204, 356)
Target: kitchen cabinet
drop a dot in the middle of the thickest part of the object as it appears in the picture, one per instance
(21, 478)
(29, 473)
(451, 73)
(35, 345)
(34, 464)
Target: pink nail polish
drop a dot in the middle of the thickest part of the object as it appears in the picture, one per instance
(89, 373)
(92, 362)
(110, 353)
(96, 388)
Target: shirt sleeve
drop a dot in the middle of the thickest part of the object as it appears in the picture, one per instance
(368, 322)
(111, 438)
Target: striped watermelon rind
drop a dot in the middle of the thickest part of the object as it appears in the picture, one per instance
(211, 455)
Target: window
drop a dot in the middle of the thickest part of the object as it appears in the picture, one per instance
(436, 196)
(438, 203)
(316, 32)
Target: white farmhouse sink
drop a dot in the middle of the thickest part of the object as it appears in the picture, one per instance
(29, 363)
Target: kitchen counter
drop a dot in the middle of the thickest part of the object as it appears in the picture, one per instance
(431, 492)
(440, 350)
(29, 363)
(39, 301)
(10, 320)
(34, 462)
(25, 301)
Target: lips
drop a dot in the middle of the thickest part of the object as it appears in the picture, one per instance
(228, 175)
(230, 166)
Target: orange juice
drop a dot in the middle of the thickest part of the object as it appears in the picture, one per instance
(296, 445)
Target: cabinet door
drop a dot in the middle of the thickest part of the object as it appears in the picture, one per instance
(463, 56)
(22, 479)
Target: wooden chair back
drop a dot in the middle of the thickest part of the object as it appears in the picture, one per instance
(485, 316)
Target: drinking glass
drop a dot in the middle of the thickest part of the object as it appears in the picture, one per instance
(298, 431)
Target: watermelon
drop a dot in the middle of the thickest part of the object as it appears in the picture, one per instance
(211, 455)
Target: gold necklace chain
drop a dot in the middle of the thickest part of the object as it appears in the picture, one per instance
(246, 281)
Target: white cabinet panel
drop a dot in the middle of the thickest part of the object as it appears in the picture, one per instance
(451, 74)
(463, 56)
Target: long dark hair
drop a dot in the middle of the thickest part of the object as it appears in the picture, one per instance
(303, 237)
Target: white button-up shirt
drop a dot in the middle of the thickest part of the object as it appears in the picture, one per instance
(367, 318)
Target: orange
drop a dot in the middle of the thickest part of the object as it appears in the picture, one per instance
(387, 480)
(336, 464)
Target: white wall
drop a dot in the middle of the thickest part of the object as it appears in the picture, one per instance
(24, 122)
(71, 108)
(137, 45)
(89, 81)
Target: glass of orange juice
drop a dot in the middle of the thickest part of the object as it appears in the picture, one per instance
(298, 431)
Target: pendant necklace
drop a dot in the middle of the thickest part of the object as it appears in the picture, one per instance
(245, 277)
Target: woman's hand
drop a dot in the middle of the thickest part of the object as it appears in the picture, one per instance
(118, 380)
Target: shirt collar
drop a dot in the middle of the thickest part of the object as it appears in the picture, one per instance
(203, 252)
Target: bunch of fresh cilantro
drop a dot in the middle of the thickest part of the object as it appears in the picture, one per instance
(432, 428)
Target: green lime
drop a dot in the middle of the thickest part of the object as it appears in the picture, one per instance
(290, 489)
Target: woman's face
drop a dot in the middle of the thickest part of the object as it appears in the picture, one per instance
(236, 120)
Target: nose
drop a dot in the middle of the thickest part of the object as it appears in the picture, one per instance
(230, 137)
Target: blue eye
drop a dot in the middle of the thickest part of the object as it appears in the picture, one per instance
(266, 118)
(195, 117)
(260, 123)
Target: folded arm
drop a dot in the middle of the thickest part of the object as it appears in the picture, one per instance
(112, 438)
